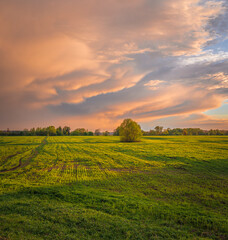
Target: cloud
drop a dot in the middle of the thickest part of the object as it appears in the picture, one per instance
(205, 57)
(108, 60)
(217, 26)
(185, 121)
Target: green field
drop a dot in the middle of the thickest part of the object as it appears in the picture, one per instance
(171, 187)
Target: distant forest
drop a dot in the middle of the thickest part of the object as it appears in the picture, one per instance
(66, 131)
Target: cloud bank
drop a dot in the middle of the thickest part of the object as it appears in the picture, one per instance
(92, 63)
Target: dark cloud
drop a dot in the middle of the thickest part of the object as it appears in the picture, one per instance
(218, 24)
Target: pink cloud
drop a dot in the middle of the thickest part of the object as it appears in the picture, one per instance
(99, 59)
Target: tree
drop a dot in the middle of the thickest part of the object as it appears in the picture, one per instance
(116, 132)
(165, 132)
(51, 131)
(59, 131)
(26, 132)
(152, 132)
(32, 131)
(38, 131)
(66, 130)
(185, 132)
(80, 132)
(75, 133)
(97, 132)
(90, 133)
(130, 131)
(158, 130)
(106, 133)
(44, 132)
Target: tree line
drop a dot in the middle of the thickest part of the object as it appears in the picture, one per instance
(66, 131)
(159, 130)
(52, 131)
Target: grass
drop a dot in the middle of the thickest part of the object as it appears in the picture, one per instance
(171, 187)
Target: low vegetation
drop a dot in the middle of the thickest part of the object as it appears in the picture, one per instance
(172, 187)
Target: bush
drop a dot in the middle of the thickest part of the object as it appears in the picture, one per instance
(130, 131)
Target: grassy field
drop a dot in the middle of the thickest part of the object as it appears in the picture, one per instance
(99, 188)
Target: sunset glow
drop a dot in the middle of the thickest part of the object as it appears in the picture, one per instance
(93, 63)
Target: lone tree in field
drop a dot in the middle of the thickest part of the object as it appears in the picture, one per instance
(130, 131)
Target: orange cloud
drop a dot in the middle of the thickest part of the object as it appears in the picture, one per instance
(107, 60)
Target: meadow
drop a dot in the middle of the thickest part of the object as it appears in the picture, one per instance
(73, 187)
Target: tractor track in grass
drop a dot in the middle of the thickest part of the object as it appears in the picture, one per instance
(7, 158)
(33, 154)
(11, 156)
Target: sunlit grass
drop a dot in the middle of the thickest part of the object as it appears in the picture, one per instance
(171, 187)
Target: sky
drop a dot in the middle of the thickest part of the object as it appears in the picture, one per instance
(93, 63)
